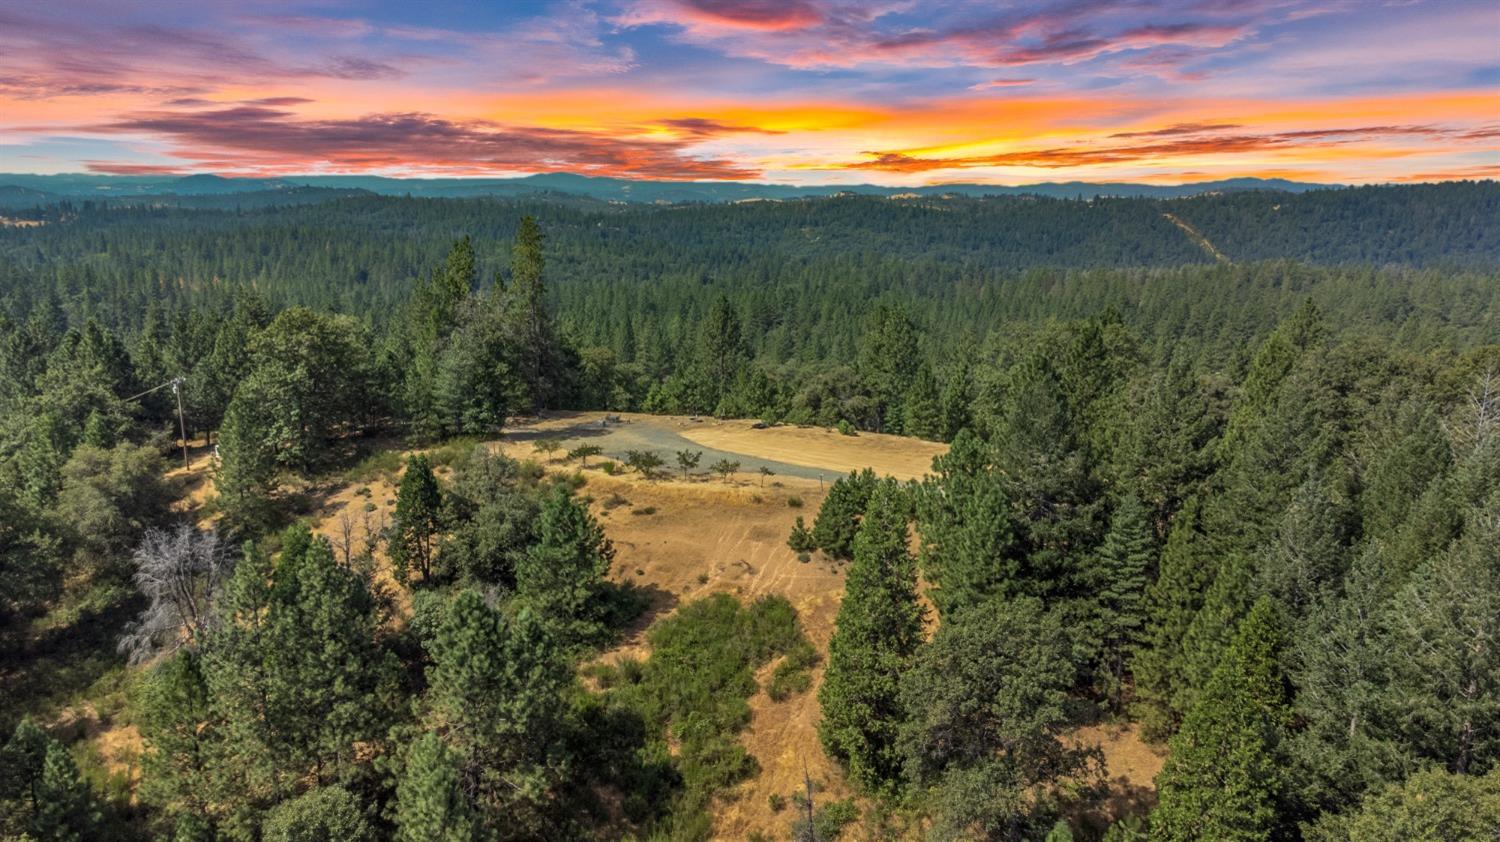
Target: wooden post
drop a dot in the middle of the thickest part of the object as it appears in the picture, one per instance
(181, 422)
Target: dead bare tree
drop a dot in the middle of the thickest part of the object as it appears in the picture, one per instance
(343, 540)
(806, 830)
(1478, 418)
(180, 571)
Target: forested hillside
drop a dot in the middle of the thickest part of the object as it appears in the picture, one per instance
(1249, 507)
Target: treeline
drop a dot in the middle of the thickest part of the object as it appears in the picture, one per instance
(360, 255)
(1289, 575)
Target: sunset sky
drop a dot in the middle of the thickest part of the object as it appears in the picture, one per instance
(797, 91)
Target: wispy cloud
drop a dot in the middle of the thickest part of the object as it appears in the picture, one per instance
(268, 139)
(1183, 141)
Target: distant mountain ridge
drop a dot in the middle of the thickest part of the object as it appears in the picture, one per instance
(36, 189)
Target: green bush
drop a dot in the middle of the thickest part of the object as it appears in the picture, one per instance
(793, 675)
(452, 451)
(801, 540)
(696, 686)
(832, 818)
(794, 502)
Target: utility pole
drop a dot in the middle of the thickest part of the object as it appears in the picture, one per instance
(181, 421)
(176, 384)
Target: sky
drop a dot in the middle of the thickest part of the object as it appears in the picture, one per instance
(793, 91)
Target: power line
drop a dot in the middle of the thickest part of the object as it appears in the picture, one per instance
(176, 384)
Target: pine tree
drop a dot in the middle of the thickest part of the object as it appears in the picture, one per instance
(1044, 459)
(838, 519)
(1343, 660)
(419, 502)
(888, 364)
(247, 458)
(327, 680)
(539, 366)
(430, 807)
(987, 702)
(801, 540)
(1431, 805)
(1445, 627)
(1311, 550)
(562, 576)
(65, 807)
(956, 399)
(879, 627)
(1167, 449)
(721, 356)
(179, 731)
(41, 794)
(1225, 777)
(1172, 602)
(923, 408)
(1125, 561)
(246, 772)
(495, 693)
(321, 813)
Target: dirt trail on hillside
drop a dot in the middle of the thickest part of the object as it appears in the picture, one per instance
(1197, 237)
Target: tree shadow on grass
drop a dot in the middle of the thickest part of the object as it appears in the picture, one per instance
(57, 656)
(633, 608)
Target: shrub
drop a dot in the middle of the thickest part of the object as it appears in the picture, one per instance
(609, 467)
(830, 821)
(644, 510)
(794, 502)
(696, 686)
(583, 452)
(776, 801)
(801, 539)
(452, 451)
(794, 673)
(846, 429)
(643, 462)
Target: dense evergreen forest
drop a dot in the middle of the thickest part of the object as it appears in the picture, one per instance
(1246, 497)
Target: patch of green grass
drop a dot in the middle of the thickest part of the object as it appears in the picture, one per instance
(794, 673)
(450, 452)
(382, 463)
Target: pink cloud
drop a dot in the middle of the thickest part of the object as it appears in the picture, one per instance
(270, 140)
